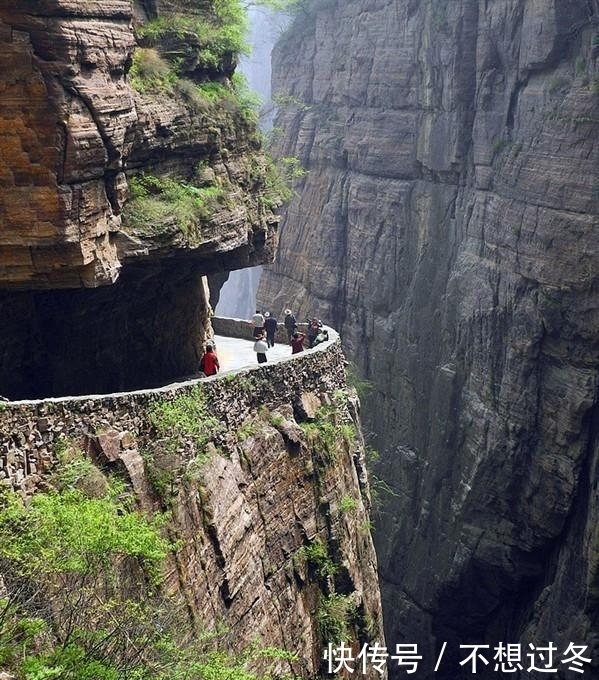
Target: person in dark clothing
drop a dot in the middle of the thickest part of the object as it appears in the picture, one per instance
(290, 324)
(313, 330)
(297, 342)
(270, 326)
(209, 362)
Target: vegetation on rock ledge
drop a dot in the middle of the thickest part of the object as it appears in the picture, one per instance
(82, 595)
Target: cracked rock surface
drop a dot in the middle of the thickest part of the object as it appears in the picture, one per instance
(448, 227)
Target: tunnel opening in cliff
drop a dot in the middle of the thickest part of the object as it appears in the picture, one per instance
(145, 330)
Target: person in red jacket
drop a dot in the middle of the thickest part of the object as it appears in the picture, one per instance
(297, 342)
(209, 362)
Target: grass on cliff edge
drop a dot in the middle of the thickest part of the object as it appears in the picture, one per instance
(159, 201)
(214, 35)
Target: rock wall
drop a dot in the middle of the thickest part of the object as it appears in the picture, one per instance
(447, 226)
(271, 469)
(73, 133)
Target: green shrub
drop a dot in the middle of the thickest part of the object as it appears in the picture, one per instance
(348, 504)
(185, 416)
(193, 95)
(362, 386)
(67, 561)
(78, 608)
(213, 37)
(334, 617)
(67, 533)
(150, 72)
(325, 432)
(157, 204)
(317, 557)
(247, 430)
(248, 102)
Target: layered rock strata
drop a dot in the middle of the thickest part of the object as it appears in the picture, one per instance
(448, 227)
(74, 135)
(261, 468)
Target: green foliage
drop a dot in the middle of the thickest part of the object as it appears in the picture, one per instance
(159, 201)
(213, 92)
(278, 190)
(213, 37)
(317, 557)
(184, 417)
(150, 72)
(202, 661)
(194, 95)
(247, 430)
(248, 102)
(348, 504)
(287, 6)
(366, 526)
(280, 176)
(75, 471)
(372, 456)
(348, 433)
(379, 488)
(580, 66)
(67, 663)
(276, 420)
(292, 167)
(334, 618)
(65, 559)
(362, 386)
(78, 608)
(66, 532)
(324, 431)
(283, 100)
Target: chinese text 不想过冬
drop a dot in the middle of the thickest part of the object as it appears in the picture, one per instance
(503, 658)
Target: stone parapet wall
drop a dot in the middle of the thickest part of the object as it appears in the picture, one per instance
(30, 430)
(252, 471)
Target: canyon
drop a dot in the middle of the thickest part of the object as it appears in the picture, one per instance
(447, 227)
(133, 181)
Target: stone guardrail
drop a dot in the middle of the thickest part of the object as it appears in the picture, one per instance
(31, 429)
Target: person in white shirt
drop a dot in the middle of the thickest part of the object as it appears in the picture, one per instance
(261, 347)
(258, 322)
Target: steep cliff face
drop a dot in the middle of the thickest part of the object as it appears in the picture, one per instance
(261, 481)
(448, 227)
(119, 175)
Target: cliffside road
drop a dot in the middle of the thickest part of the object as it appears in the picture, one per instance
(235, 353)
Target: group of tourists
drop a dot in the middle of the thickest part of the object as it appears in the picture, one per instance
(265, 327)
(264, 330)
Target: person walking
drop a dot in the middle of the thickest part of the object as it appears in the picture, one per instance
(258, 322)
(261, 347)
(290, 323)
(297, 342)
(209, 364)
(270, 326)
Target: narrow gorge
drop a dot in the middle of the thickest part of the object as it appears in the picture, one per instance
(447, 227)
(156, 525)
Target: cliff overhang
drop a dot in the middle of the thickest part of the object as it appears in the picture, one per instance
(127, 175)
